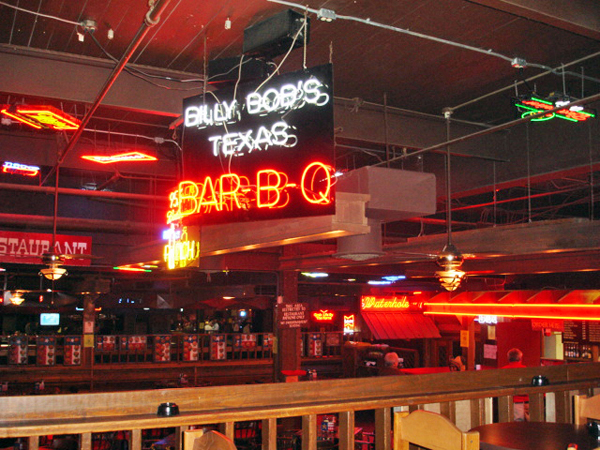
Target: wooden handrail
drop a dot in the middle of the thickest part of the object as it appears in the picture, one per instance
(23, 416)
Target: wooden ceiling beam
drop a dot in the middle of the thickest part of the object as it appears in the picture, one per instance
(577, 16)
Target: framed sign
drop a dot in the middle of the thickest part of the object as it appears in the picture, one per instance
(258, 151)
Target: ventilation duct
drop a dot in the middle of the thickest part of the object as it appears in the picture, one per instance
(361, 247)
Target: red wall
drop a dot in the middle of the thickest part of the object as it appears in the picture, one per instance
(520, 335)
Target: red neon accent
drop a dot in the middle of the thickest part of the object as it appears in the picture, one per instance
(229, 185)
(232, 191)
(20, 169)
(22, 119)
(310, 191)
(43, 117)
(518, 310)
(323, 315)
(273, 191)
(131, 269)
(121, 157)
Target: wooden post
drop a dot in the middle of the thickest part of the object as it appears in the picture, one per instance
(309, 432)
(346, 430)
(269, 434)
(383, 429)
(288, 339)
(468, 323)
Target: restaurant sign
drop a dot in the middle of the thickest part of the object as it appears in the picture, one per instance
(28, 248)
(396, 303)
(292, 315)
(258, 151)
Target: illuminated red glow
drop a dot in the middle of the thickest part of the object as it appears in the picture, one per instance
(231, 191)
(323, 315)
(20, 169)
(517, 310)
(372, 303)
(121, 157)
(42, 117)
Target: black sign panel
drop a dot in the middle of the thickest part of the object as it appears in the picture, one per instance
(267, 154)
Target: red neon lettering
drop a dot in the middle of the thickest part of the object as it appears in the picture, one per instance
(539, 105)
(314, 174)
(575, 115)
(369, 302)
(229, 185)
(273, 184)
(208, 197)
(231, 191)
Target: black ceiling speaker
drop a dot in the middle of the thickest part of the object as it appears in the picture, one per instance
(274, 36)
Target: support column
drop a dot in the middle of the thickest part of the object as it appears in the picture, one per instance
(468, 324)
(288, 339)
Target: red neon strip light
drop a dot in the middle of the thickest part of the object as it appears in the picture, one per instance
(517, 310)
(22, 119)
(121, 157)
(43, 117)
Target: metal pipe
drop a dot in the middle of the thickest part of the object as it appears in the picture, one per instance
(151, 18)
(504, 126)
(69, 223)
(83, 193)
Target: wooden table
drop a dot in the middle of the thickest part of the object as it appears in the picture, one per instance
(534, 435)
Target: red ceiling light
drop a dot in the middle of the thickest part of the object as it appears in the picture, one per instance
(42, 117)
(121, 157)
(517, 310)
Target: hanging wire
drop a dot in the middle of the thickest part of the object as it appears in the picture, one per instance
(305, 39)
(591, 159)
(495, 191)
(528, 172)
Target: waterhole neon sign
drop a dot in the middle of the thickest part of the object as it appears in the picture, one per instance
(258, 152)
(535, 105)
(396, 303)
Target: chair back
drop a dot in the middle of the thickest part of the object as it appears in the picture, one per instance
(432, 431)
(586, 408)
(210, 440)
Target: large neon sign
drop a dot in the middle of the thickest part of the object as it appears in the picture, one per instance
(231, 192)
(265, 154)
(535, 105)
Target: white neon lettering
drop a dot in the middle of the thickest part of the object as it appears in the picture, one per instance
(240, 143)
(203, 116)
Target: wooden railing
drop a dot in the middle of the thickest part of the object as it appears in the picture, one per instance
(469, 399)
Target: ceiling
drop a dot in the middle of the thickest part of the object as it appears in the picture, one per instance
(397, 67)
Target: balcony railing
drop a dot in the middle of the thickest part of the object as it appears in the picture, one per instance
(469, 399)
